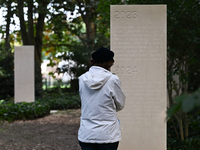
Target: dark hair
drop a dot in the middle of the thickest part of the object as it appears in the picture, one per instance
(106, 64)
(102, 55)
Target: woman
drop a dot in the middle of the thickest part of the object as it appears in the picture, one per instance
(101, 97)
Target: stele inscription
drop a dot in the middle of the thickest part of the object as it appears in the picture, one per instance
(138, 38)
(24, 74)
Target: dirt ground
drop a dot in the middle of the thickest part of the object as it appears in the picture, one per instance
(57, 131)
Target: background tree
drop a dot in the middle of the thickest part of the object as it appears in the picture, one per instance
(82, 27)
(6, 55)
(6, 73)
(32, 32)
(77, 39)
(8, 20)
(183, 55)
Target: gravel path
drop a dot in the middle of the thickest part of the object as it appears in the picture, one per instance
(54, 132)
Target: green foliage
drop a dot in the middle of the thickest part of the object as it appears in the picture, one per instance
(76, 61)
(104, 14)
(10, 112)
(1, 71)
(185, 103)
(183, 41)
(188, 144)
(1, 101)
(183, 76)
(192, 142)
(7, 73)
(40, 108)
(61, 101)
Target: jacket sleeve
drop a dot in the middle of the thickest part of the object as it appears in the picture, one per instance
(118, 95)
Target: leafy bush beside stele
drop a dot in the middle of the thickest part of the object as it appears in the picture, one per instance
(23, 111)
(40, 108)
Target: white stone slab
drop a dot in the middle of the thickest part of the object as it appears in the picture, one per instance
(138, 38)
(24, 74)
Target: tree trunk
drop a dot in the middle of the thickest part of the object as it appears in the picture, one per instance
(22, 23)
(186, 92)
(180, 122)
(8, 16)
(179, 87)
(30, 23)
(89, 15)
(186, 125)
(90, 33)
(38, 47)
(28, 38)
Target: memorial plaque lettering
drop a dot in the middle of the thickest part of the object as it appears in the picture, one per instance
(138, 38)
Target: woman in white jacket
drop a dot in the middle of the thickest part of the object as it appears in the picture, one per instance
(101, 98)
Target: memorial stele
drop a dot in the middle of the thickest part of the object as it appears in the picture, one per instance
(24, 74)
(138, 38)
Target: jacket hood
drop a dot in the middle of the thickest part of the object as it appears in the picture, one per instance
(96, 77)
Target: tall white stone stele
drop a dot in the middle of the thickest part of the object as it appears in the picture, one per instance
(24, 74)
(138, 38)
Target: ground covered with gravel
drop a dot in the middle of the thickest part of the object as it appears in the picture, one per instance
(57, 131)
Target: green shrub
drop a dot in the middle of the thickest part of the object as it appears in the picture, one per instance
(23, 111)
(61, 101)
(188, 144)
(40, 108)
(7, 78)
(192, 142)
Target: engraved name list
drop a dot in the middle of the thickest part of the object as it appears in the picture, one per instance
(138, 38)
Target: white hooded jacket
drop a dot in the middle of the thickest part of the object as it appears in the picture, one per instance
(101, 97)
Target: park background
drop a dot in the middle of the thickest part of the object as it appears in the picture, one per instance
(64, 34)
